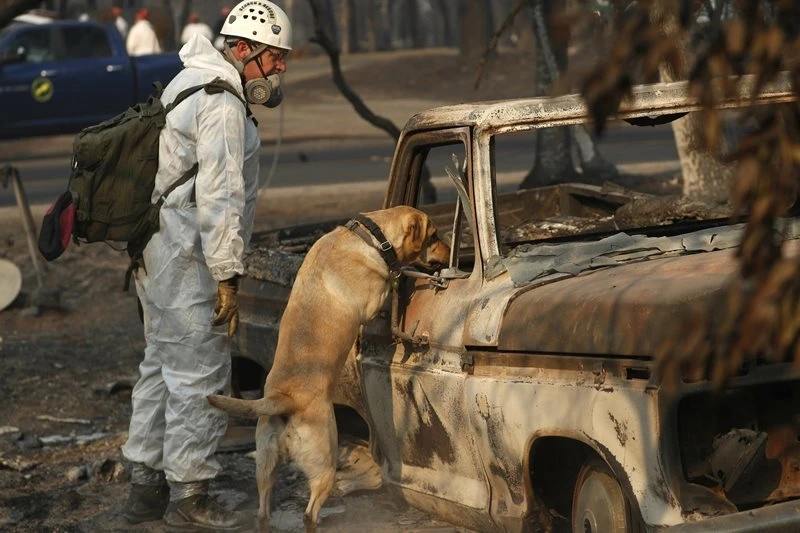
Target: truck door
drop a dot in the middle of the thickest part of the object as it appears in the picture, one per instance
(415, 390)
(26, 88)
(93, 81)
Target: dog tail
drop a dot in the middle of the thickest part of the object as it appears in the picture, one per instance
(248, 408)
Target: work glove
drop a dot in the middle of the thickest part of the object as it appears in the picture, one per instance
(227, 307)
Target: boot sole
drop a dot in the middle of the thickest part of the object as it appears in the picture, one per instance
(191, 526)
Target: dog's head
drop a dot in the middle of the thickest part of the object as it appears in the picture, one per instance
(413, 235)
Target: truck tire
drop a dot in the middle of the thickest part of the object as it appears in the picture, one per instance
(599, 505)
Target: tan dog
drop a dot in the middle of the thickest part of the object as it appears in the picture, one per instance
(341, 285)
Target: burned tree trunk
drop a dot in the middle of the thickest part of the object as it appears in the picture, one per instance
(371, 27)
(383, 25)
(476, 28)
(705, 178)
(553, 163)
(447, 38)
(348, 26)
(329, 46)
(554, 145)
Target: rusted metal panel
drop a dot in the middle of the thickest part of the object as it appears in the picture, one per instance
(485, 315)
(625, 310)
(418, 414)
(618, 418)
(415, 398)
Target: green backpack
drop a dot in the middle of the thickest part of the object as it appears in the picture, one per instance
(114, 167)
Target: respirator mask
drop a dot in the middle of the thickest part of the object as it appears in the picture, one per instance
(266, 90)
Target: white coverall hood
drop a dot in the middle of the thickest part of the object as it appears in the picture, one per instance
(200, 53)
(204, 227)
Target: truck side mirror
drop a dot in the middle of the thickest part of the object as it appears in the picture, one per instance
(13, 55)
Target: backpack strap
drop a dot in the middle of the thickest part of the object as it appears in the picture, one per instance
(215, 86)
(189, 174)
(135, 249)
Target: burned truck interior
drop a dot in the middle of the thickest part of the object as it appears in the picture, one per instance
(743, 444)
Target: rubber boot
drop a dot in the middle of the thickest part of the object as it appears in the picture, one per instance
(146, 503)
(149, 495)
(197, 511)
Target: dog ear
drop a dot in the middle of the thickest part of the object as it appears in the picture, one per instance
(417, 231)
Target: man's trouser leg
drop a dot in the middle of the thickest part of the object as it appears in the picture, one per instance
(173, 427)
(149, 493)
(193, 360)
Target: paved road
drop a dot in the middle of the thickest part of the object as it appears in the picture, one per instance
(330, 162)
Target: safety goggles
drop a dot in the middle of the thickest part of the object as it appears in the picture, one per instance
(278, 54)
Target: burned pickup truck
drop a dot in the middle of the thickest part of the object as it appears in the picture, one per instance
(515, 389)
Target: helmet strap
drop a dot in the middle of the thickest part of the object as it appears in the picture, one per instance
(255, 53)
(240, 63)
(229, 55)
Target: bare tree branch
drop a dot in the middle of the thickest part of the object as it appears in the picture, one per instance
(321, 38)
(327, 44)
(495, 40)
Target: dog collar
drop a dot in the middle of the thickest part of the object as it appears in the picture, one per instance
(372, 235)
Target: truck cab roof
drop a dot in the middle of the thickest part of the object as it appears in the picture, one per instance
(646, 101)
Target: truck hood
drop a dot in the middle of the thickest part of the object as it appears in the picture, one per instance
(624, 309)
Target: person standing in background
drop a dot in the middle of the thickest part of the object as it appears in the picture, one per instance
(195, 26)
(119, 21)
(142, 38)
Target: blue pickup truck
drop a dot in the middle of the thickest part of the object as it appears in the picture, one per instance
(60, 76)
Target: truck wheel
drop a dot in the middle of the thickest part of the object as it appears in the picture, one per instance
(598, 503)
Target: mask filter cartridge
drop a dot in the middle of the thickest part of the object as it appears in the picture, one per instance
(264, 91)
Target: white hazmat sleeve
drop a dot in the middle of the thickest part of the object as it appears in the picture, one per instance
(219, 185)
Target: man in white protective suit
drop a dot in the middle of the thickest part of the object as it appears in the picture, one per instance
(188, 283)
(142, 39)
(195, 26)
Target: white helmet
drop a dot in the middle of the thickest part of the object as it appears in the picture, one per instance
(260, 21)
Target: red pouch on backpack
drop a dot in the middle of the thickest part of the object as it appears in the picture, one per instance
(57, 225)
